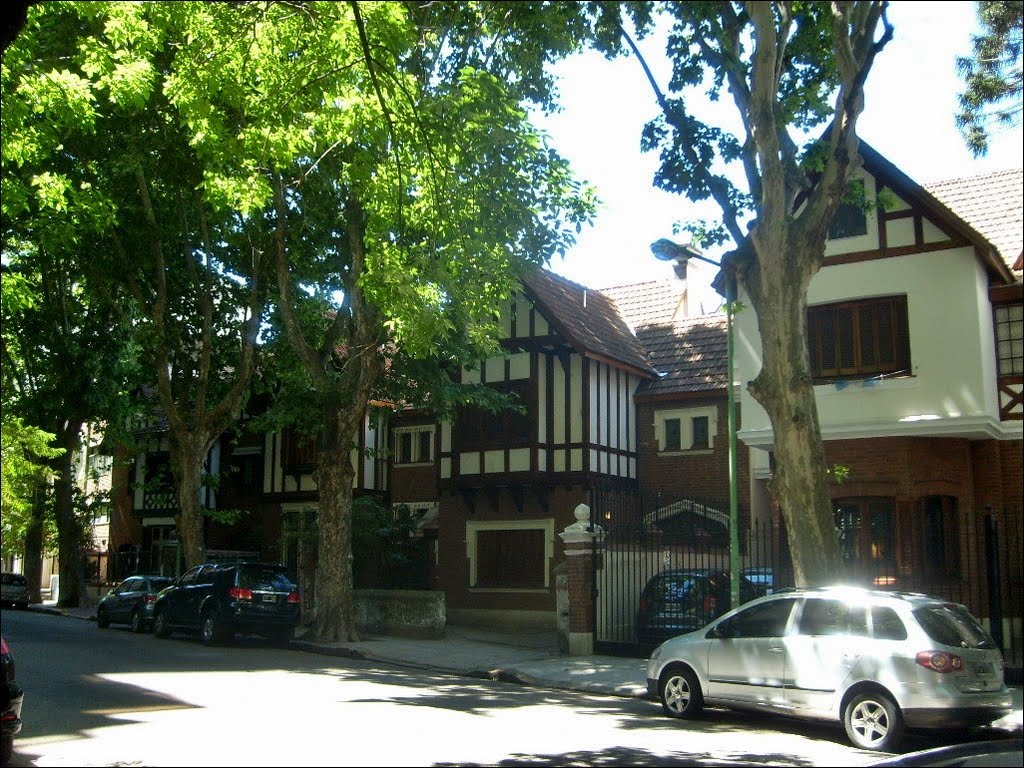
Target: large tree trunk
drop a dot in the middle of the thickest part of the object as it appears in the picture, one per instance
(34, 544)
(187, 463)
(785, 389)
(334, 615)
(70, 535)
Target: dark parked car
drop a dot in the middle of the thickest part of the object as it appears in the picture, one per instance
(14, 590)
(221, 600)
(13, 696)
(679, 601)
(131, 602)
(761, 576)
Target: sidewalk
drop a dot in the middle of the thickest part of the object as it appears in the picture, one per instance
(528, 657)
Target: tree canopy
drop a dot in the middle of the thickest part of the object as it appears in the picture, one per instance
(992, 73)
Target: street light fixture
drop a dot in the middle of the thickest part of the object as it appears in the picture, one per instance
(667, 250)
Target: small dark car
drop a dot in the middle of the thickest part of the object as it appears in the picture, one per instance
(13, 696)
(131, 602)
(14, 590)
(221, 600)
(679, 601)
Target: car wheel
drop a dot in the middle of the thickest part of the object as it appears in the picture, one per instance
(873, 721)
(211, 634)
(679, 692)
(102, 620)
(138, 625)
(160, 626)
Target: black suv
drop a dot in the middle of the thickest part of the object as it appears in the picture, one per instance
(221, 600)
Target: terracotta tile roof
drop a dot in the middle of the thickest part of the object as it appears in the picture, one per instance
(643, 304)
(990, 203)
(690, 353)
(587, 319)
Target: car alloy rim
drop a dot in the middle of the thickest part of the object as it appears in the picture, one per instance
(677, 694)
(870, 721)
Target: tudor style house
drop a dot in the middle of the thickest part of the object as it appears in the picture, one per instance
(915, 341)
(915, 330)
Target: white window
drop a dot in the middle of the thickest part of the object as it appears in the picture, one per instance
(414, 445)
(686, 429)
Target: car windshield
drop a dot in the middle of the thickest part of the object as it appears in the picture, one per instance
(952, 624)
(14, 579)
(255, 577)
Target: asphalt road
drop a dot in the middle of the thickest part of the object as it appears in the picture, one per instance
(112, 698)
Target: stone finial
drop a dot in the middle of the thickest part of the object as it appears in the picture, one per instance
(581, 529)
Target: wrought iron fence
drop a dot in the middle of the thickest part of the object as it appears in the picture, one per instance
(647, 534)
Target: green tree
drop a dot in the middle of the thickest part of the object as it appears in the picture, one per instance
(790, 68)
(992, 74)
(98, 142)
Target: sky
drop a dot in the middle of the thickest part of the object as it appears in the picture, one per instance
(910, 103)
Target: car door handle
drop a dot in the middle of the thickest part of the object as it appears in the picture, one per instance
(776, 649)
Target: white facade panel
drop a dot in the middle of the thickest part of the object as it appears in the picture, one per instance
(519, 460)
(559, 461)
(952, 390)
(446, 468)
(494, 461)
(523, 308)
(519, 365)
(576, 460)
(899, 233)
(559, 405)
(469, 463)
(495, 369)
(542, 399)
(575, 399)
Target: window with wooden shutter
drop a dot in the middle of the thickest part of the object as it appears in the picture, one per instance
(859, 339)
(510, 558)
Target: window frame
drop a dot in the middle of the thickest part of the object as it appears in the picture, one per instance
(477, 429)
(545, 526)
(1009, 338)
(415, 434)
(851, 217)
(846, 327)
(686, 419)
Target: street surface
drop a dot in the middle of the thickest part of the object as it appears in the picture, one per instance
(111, 698)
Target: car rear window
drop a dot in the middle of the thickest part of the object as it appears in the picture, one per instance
(952, 624)
(14, 579)
(157, 584)
(257, 577)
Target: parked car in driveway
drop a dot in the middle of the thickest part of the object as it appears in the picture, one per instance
(220, 600)
(131, 602)
(877, 662)
(14, 590)
(10, 707)
(679, 601)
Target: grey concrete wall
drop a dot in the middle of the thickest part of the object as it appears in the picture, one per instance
(402, 613)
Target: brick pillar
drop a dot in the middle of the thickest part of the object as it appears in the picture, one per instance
(579, 555)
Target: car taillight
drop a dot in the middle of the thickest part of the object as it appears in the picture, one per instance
(293, 597)
(237, 593)
(150, 598)
(940, 661)
(709, 603)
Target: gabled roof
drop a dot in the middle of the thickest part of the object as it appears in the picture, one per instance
(588, 320)
(690, 353)
(991, 203)
(909, 189)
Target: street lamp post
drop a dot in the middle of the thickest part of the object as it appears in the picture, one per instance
(667, 250)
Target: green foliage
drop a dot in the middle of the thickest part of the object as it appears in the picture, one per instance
(385, 548)
(992, 74)
(23, 452)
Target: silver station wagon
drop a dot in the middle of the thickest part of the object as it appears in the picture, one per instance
(878, 662)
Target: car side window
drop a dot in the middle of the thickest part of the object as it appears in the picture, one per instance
(886, 624)
(821, 617)
(764, 620)
(189, 577)
(205, 575)
(124, 586)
